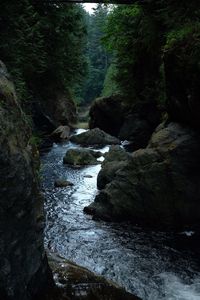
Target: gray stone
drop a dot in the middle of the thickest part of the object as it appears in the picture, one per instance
(81, 157)
(115, 159)
(160, 184)
(94, 136)
(62, 183)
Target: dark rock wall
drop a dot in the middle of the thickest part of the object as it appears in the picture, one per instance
(107, 113)
(134, 123)
(24, 270)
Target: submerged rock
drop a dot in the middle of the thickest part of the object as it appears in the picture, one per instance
(76, 282)
(62, 183)
(159, 186)
(95, 136)
(81, 157)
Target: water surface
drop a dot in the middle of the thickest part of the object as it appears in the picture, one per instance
(152, 265)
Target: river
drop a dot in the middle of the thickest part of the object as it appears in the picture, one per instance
(152, 265)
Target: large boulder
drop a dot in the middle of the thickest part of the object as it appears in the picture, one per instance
(24, 273)
(140, 123)
(134, 123)
(81, 157)
(107, 113)
(115, 159)
(182, 73)
(159, 186)
(79, 283)
(94, 137)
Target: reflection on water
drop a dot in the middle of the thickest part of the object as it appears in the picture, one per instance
(152, 265)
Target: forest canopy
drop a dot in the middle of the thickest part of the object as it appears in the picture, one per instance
(120, 50)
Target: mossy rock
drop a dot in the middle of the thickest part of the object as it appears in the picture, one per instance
(81, 157)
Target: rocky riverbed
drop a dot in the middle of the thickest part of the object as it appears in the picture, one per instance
(152, 265)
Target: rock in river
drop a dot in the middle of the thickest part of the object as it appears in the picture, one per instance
(95, 136)
(159, 185)
(79, 283)
(62, 183)
(115, 159)
(81, 157)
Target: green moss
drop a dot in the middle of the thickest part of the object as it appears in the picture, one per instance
(181, 34)
(34, 140)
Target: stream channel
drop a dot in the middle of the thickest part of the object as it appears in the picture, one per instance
(152, 265)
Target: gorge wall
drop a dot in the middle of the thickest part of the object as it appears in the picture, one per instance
(24, 272)
(159, 184)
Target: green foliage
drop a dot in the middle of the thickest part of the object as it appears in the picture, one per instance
(137, 35)
(42, 45)
(34, 140)
(132, 36)
(181, 34)
(97, 57)
(110, 86)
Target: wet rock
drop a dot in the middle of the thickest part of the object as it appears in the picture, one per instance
(62, 183)
(160, 184)
(88, 176)
(61, 133)
(81, 157)
(24, 271)
(107, 113)
(115, 159)
(76, 282)
(95, 136)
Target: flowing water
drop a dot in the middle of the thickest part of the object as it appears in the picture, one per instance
(152, 265)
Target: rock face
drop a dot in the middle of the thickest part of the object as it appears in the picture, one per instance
(107, 114)
(94, 137)
(140, 123)
(54, 109)
(81, 157)
(159, 186)
(24, 272)
(134, 124)
(64, 111)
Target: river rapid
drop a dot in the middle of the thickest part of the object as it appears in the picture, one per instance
(152, 265)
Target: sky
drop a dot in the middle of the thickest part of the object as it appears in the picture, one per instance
(88, 7)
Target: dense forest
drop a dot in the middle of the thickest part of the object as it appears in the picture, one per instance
(114, 50)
